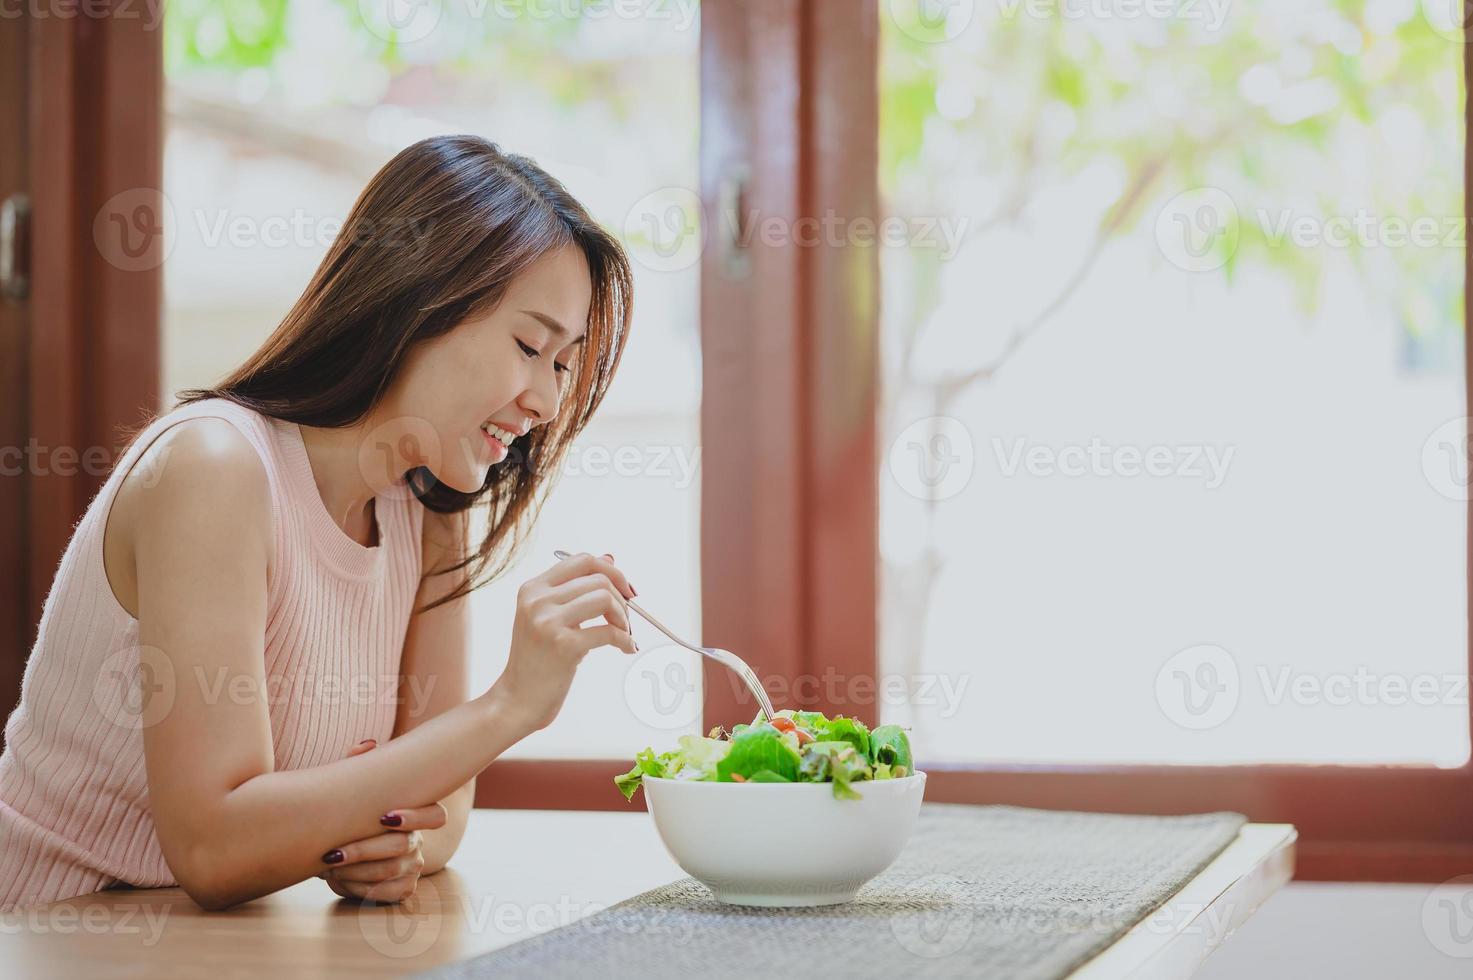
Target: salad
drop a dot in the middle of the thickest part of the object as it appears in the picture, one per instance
(794, 747)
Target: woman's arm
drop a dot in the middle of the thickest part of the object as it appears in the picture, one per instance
(231, 828)
(434, 671)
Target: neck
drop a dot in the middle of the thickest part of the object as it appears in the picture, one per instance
(349, 473)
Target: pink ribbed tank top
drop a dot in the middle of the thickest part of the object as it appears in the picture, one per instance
(74, 809)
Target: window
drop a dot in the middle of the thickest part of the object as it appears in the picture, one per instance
(278, 114)
(1173, 385)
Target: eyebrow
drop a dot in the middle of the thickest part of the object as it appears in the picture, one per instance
(557, 328)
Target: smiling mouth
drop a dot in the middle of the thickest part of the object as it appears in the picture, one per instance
(503, 436)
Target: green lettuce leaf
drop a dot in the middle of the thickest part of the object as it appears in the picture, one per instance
(755, 749)
(838, 762)
(768, 776)
(646, 763)
(889, 744)
(850, 730)
(697, 757)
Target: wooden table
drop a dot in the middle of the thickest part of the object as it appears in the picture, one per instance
(517, 873)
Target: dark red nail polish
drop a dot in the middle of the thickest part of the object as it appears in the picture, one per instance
(333, 856)
(392, 819)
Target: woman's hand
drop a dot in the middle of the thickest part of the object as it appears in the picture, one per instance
(383, 868)
(548, 641)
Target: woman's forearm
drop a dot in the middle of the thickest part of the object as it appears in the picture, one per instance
(272, 830)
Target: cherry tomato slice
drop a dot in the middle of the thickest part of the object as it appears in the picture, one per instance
(783, 724)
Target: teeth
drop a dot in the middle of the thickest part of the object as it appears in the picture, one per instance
(502, 435)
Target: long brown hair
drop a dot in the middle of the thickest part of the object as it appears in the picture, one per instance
(436, 238)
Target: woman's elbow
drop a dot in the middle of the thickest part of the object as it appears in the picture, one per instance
(204, 879)
(205, 889)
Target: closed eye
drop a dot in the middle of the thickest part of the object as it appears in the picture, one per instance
(533, 354)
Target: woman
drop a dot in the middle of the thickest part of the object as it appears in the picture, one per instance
(252, 664)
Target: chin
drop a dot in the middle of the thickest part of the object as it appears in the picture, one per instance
(471, 482)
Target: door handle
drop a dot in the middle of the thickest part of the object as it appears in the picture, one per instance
(731, 222)
(15, 247)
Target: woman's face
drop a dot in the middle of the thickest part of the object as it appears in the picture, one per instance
(509, 369)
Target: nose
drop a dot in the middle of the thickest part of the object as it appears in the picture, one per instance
(541, 398)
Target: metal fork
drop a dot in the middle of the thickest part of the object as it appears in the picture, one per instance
(724, 657)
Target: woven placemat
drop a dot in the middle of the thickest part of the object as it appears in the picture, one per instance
(979, 891)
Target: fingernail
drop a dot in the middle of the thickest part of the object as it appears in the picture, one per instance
(333, 856)
(369, 741)
(392, 819)
(632, 590)
(636, 646)
(608, 556)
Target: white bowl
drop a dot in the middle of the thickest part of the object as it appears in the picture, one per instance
(783, 844)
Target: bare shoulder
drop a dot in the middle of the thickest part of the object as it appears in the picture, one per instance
(195, 457)
(194, 472)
